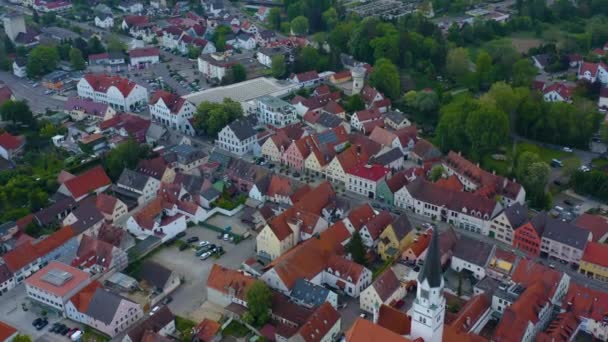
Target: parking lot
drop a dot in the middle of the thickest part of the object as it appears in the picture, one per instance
(12, 313)
(189, 298)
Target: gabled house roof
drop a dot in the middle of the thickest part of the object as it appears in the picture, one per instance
(155, 274)
(319, 323)
(473, 251)
(11, 142)
(425, 150)
(173, 101)
(370, 172)
(242, 129)
(386, 284)
(101, 83)
(364, 330)
(596, 253)
(394, 320)
(228, 281)
(29, 251)
(154, 323)
(596, 224)
(87, 182)
(104, 305)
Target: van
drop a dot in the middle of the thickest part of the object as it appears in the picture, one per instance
(76, 336)
(556, 163)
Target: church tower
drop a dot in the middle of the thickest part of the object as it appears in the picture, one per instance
(428, 310)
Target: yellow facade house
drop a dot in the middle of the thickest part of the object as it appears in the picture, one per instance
(395, 238)
(594, 262)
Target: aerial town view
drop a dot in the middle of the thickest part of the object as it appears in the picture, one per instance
(304, 170)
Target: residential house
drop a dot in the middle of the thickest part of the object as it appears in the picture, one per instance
(55, 284)
(7, 332)
(271, 110)
(501, 264)
(157, 168)
(144, 56)
(463, 209)
(306, 79)
(594, 262)
(396, 120)
(207, 331)
(237, 137)
(107, 58)
(265, 55)
(128, 125)
(562, 240)
(322, 325)
(273, 188)
(8, 230)
(364, 179)
(299, 222)
(131, 7)
(371, 231)
(593, 72)
(364, 330)
(184, 157)
(393, 240)
(505, 223)
(137, 186)
(116, 91)
(91, 181)
(11, 146)
(103, 310)
(385, 192)
(310, 295)
(416, 251)
(262, 13)
(367, 116)
(20, 67)
(245, 175)
(226, 286)
(172, 111)
(111, 207)
(162, 323)
(587, 304)
(424, 152)
(393, 159)
(104, 20)
(478, 180)
(160, 280)
(86, 218)
(215, 65)
(558, 92)
(81, 109)
(385, 290)
(596, 224)
(155, 220)
(96, 256)
(244, 41)
(45, 6)
(472, 256)
(541, 61)
(55, 213)
(375, 100)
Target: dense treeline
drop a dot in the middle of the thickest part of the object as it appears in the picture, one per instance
(594, 183)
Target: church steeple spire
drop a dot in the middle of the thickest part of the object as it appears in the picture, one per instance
(428, 310)
(431, 270)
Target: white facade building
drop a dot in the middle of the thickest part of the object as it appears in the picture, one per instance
(273, 111)
(173, 111)
(119, 92)
(238, 137)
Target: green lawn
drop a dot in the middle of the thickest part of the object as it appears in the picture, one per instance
(92, 335)
(235, 329)
(545, 154)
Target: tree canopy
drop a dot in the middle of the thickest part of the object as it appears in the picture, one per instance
(259, 302)
(42, 60)
(211, 117)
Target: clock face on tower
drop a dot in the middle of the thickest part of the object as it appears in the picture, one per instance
(424, 294)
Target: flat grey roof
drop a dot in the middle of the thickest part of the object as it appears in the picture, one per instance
(243, 91)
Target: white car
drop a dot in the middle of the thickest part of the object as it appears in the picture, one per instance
(567, 149)
(205, 255)
(585, 168)
(154, 309)
(76, 335)
(203, 243)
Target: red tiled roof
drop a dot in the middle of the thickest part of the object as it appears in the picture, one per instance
(146, 216)
(364, 330)
(369, 126)
(230, 281)
(529, 272)
(383, 136)
(27, 252)
(386, 284)
(586, 302)
(359, 216)
(471, 312)
(207, 330)
(87, 182)
(346, 268)
(10, 142)
(344, 74)
(136, 20)
(306, 76)
(6, 331)
(173, 101)
(394, 320)
(596, 253)
(560, 329)
(368, 114)
(77, 278)
(589, 67)
(144, 52)
(420, 244)
(596, 224)
(525, 309)
(101, 83)
(82, 299)
(370, 172)
(562, 89)
(378, 223)
(319, 323)
(93, 252)
(333, 107)
(451, 183)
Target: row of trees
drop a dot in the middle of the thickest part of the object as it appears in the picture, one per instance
(594, 183)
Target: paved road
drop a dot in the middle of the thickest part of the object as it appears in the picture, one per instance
(35, 97)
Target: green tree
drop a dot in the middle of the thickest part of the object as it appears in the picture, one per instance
(385, 77)
(17, 111)
(76, 59)
(426, 102)
(457, 64)
(126, 155)
(193, 52)
(436, 173)
(219, 37)
(354, 103)
(533, 174)
(278, 66)
(239, 73)
(523, 72)
(42, 60)
(274, 18)
(9, 46)
(356, 249)
(21, 337)
(95, 46)
(115, 44)
(299, 26)
(487, 128)
(36, 17)
(330, 18)
(259, 302)
(483, 70)
(212, 117)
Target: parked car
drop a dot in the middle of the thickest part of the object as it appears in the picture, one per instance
(64, 330)
(203, 243)
(567, 149)
(226, 237)
(76, 335)
(205, 255)
(180, 235)
(184, 246)
(192, 239)
(167, 300)
(154, 309)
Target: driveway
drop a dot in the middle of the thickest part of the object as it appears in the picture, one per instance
(192, 294)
